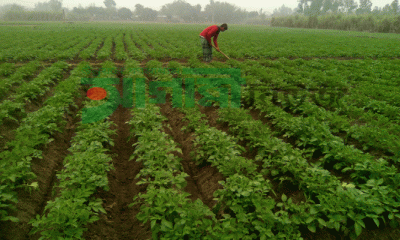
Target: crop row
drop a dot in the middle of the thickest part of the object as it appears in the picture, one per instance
(16, 78)
(372, 182)
(6, 69)
(85, 170)
(31, 90)
(166, 206)
(105, 51)
(90, 51)
(34, 132)
(343, 119)
(133, 51)
(182, 41)
(171, 228)
(120, 53)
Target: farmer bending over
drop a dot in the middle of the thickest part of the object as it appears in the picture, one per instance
(205, 37)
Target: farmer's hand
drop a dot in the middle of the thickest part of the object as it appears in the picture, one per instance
(217, 48)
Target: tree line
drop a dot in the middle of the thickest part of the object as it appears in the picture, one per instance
(323, 14)
(176, 11)
(340, 15)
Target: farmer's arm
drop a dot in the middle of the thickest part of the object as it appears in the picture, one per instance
(215, 41)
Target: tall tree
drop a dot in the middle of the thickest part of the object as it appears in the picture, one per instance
(387, 9)
(348, 6)
(282, 11)
(52, 5)
(365, 7)
(327, 6)
(336, 4)
(220, 12)
(124, 13)
(145, 14)
(138, 8)
(109, 3)
(316, 7)
(307, 10)
(12, 7)
(300, 6)
(394, 7)
(376, 10)
(182, 9)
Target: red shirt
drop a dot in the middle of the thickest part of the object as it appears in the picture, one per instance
(209, 32)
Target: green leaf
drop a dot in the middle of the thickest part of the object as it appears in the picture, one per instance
(361, 223)
(312, 228)
(376, 221)
(11, 218)
(284, 198)
(166, 224)
(337, 226)
(309, 219)
(322, 222)
(358, 229)
(313, 211)
(34, 185)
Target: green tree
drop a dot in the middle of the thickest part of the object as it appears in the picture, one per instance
(145, 14)
(182, 9)
(300, 6)
(316, 7)
(336, 5)
(110, 3)
(387, 9)
(394, 7)
(365, 7)
(348, 6)
(376, 10)
(51, 6)
(220, 12)
(124, 13)
(327, 6)
(282, 11)
(12, 7)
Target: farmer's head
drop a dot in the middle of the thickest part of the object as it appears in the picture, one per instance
(223, 27)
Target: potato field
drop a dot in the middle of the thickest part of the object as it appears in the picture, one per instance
(297, 137)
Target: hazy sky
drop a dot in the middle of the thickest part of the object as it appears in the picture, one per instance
(249, 5)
